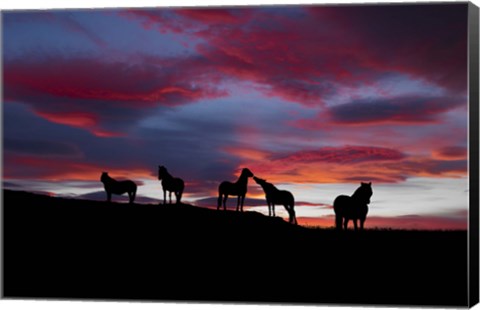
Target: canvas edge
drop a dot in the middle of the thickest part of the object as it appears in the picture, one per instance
(473, 224)
(2, 224)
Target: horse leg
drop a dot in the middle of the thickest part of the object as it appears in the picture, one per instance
(290, 217)
(345, 225)
(355, 224)
(243, 199)
(273, 209)
(170, 197)
(179, 196)
(219, 202)
(338, 222)
(109, 196)
(362, 221)
(269, 208)
(164, 196)
(134, 194)
(225, 202)
(238, 203)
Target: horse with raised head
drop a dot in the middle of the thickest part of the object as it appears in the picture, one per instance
(353, 207)
(275, 196)
(113, 186)
(238, 188)
(170, 184)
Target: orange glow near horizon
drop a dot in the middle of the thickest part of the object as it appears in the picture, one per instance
(407, 222)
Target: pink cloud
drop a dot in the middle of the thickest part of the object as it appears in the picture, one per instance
(451, 153)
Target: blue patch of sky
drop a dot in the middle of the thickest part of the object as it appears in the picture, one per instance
(74, 33)
(27, 34)
(243, 108)
(259, 22)
(130, 37)
(390, 85)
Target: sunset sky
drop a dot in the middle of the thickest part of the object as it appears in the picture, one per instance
(315, 99)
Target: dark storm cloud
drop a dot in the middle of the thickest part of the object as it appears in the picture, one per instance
(409, 110)
(41, 148)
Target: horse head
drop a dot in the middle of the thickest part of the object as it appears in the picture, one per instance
(259, 181)
(104, 176)
(247, 173)
(161, 172)
(365, 191)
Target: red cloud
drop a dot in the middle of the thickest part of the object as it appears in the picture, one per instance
(83, 78)
(215, 16)
(75, 119)
(344, 155)
(302, 54)
(93, 94)
(348, 164)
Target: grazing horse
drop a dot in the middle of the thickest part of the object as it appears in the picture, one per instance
(353, 207)
(113, 186)
(171, 184)
(238, 188)
(276, 196)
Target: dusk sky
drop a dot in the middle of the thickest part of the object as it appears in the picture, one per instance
(315, 99)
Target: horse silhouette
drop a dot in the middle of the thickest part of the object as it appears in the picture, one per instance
(276, 196)
(353, 207)
(170, 184)
(113, 186)
(238, 188)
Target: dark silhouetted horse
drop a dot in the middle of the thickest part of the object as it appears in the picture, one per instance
(170, 184)
(353, 207)
(276, 196)
(238, 188)
(113, 186)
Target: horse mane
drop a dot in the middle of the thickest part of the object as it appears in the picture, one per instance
(270, 185)
(246, 173)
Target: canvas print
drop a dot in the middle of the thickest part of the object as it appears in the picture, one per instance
(312, 154)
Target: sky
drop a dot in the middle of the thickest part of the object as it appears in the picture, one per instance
(315, 99)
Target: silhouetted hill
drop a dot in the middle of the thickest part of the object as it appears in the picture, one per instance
(67, 248)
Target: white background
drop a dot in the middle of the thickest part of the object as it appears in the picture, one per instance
(77, 305)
